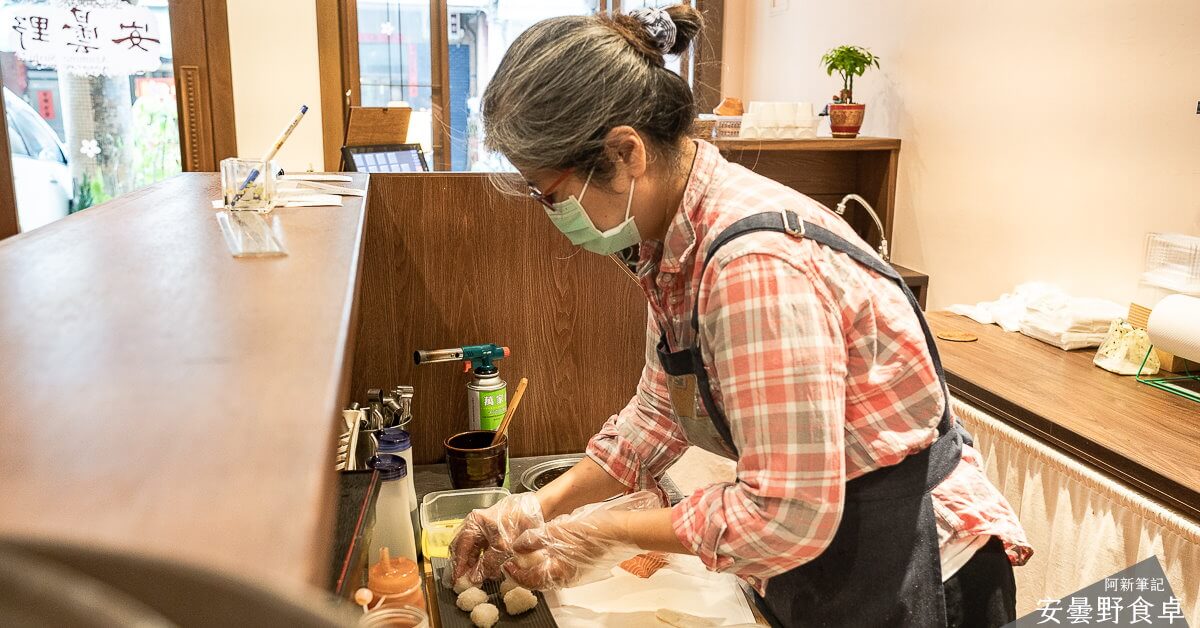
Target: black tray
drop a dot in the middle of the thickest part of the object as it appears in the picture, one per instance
(453, 617)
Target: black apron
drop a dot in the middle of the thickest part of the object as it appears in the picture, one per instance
(883, 567)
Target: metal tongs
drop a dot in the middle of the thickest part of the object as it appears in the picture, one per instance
(383, 410)
(355, 419)
(390, 409)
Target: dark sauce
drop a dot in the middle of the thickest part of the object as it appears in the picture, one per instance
(548, 476)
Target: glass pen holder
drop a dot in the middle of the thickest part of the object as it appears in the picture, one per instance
(249, 184)
(248, 189)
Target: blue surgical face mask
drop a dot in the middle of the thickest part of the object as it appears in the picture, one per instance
(570, 218)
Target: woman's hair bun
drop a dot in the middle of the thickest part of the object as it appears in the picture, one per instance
(688, 23)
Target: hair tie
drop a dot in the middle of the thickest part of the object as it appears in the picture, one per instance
(659, 25)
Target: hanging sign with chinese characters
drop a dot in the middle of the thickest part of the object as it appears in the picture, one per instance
(83, 39)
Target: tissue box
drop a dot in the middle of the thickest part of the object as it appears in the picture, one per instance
(1139, 316)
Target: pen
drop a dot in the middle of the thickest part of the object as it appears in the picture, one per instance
(253, 174)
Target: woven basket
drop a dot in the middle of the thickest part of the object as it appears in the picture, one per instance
(703, 129)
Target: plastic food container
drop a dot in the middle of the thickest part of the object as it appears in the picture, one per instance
(441, 512)
(727, 126)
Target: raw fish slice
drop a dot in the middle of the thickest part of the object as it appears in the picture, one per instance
(644, 565)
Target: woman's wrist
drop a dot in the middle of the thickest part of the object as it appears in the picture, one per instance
(548, 497)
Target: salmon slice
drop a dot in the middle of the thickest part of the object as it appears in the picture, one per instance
(644, 565)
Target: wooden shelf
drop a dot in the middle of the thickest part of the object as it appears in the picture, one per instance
(826, 170)
(818, 144)
(917, 281)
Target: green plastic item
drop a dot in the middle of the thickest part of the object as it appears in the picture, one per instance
(1186, 386)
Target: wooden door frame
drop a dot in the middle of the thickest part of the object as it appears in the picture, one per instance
(203, 82)
(337, 58)
(204, 95)
(8, 194)
(439, 39)
(709, 54)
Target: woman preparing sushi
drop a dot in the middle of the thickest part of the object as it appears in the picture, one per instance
(775, 338)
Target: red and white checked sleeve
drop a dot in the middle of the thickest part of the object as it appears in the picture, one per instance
(638, 444)
(774, 340)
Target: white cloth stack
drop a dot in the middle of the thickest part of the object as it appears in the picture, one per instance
(1047, 313)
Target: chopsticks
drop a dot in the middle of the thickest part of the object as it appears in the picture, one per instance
(512, 409)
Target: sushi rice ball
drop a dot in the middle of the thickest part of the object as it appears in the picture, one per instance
(519, 600)
(508, 585)
(462, 584)
(485, 615)
(469, 599)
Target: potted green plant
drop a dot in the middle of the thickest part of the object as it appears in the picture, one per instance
(846, 116)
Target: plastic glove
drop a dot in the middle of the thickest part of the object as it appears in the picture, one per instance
(576, 548)
(484, 540)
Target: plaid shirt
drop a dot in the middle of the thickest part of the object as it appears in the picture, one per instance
(822, 371)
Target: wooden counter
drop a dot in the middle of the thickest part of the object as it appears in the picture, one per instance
(160, 396)
(1143, 436)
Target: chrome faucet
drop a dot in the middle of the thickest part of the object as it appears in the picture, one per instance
(883, 243)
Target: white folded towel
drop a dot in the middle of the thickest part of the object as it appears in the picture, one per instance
(1047, 313)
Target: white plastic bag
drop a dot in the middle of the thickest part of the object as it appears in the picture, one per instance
(1124, 350)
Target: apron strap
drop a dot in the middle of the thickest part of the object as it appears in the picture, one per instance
(691, 360)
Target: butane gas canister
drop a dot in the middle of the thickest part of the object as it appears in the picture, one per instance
(487, 399)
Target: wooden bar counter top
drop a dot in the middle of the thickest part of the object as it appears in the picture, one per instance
(159, 396)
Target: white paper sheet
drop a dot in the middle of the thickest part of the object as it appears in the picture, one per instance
(300, 200)
(626, 600)
(316, 176)
(316, 187)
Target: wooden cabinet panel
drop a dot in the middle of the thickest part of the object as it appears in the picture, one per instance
(449, 262)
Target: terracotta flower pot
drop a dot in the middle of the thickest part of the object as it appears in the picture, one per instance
(846, 120)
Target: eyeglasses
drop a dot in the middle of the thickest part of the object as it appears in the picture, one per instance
(544, 197)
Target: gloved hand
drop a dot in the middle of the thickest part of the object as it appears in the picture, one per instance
(576, 548)
(484, 540)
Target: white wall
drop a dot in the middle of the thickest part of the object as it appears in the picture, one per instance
(273, 44)
(1041, 140)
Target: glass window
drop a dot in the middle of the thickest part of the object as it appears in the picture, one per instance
(16, 142)
(395, 62)
(478, 38)
(40, 140)
(89, 94)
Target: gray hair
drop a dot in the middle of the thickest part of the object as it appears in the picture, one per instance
(567, 81)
